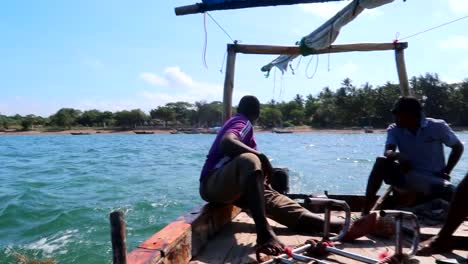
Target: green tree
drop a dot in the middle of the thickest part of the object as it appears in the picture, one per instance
(163, 113)
(270, 117)
(90, 118)
(209, 114)
(183, 111)
(65, 117)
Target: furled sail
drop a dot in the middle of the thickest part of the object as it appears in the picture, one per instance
(327, 33)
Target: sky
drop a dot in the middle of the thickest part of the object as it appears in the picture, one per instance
(118, 54)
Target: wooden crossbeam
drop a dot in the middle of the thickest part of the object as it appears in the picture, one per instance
(233, 49)
(295, 50)
(201, 8)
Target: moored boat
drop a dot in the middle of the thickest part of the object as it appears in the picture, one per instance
(80, 133)
(143, 132)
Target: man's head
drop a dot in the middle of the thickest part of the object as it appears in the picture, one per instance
(249, 106)
(408, 112)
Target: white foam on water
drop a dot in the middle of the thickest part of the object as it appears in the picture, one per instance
(53, 244)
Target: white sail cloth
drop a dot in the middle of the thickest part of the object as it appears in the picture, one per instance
(327, 33)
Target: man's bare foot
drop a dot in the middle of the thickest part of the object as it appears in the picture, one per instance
(361, 227)
(435, 245)
(269, 244)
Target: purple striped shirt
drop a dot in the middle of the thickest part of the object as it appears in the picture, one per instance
(238, 125)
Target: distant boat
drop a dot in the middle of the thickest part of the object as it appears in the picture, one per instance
(80, 133)
(282, 131)
(368, 129)
(143, 132)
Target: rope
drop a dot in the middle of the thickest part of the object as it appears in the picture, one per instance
(281, 87)
(216, 22)
(224, 60)
(274, 83)
(205, 45)
(436, 27)
(316, 67)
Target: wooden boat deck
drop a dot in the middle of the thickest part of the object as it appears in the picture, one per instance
(236, 241)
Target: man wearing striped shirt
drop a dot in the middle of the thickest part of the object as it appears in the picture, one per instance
(236, 172)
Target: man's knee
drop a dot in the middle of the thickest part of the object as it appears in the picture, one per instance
(249, 161)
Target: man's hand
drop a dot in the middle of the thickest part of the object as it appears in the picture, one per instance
(392, 155)
(266, 165)
(444, 174)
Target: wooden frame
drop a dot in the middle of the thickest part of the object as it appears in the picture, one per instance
(233, 49)
(201, 8)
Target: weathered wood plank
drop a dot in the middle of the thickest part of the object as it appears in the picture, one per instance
(295, 50)
(229, 82)
(180, 240)
(201, 8)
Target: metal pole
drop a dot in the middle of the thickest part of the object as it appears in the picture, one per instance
(351, 255)
(118, 237)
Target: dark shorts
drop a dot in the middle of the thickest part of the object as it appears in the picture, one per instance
(413, 181)
(226, 185)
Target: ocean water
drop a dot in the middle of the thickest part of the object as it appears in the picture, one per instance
(56, 191)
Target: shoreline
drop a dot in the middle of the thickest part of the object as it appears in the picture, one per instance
(166, 131)
(298, 130)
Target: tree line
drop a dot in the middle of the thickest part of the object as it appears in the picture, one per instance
(347, 106)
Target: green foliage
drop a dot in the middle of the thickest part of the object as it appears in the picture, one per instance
(164, 113)
(270, 116)
(65, 117)
(346, 106)
(130, 118)
(209, 114)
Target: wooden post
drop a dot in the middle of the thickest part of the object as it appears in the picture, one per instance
(401, 69)
(229, 81)
(118, 238)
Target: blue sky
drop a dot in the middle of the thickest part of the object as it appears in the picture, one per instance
(116, 54)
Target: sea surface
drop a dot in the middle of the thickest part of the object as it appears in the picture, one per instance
(56, 191)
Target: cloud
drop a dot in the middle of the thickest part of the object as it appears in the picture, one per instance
(153, 79)
(459, 7)
(455, 42)
(177, 77)
(172, 76)
(327, 10)
(184, 88)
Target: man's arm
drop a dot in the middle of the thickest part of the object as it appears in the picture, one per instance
(454, 157)
(232, 147)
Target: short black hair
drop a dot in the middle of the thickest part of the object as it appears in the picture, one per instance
(409, 105)
(249, 106)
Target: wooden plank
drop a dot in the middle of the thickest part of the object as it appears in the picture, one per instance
(201, 8)
(229, 82)
(295, 50)
(180, 239)
(233, 243)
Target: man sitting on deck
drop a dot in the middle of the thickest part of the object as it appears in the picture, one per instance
(236, 172)
(419, 166)
(457, 214)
